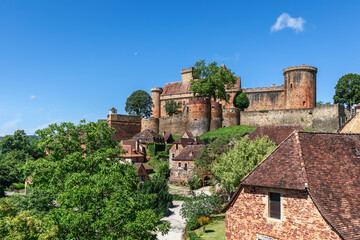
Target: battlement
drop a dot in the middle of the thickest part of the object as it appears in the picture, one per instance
(302, 67)
(187, 70)
(187, 74)
(264, 89)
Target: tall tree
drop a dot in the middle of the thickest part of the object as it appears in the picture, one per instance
(234, 164)
(82, 189)
(241, 100)
(139, 103)
(347, 90)
(211, 81)
(172, 107)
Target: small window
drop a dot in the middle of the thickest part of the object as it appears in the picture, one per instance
(177, 146)
(173, 155)
(304, 103)
(179, 164)
(185, 168)
(274, 202)
(290, 85)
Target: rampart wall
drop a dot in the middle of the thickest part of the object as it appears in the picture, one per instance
(323, 118)
(266, 98)
(126, 126)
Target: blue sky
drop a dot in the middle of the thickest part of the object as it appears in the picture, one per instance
(68, 60)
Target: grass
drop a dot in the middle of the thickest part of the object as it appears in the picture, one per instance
(310, 130)
(176, 187)
(215, 229)
(176, 136)
(228, 131)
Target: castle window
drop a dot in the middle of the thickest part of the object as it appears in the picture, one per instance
(177, 146)
(274, 205)
(185, 168)
(173, 155)
(179, 164)
(304, 103)
(290, 85)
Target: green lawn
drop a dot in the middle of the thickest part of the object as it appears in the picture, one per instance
(229, 131)
(214, 230)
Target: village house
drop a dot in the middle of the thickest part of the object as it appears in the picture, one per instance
(144, 171)
(168, 138)
(182, 165)
(276, 134)
(149, 136)
(307, 188)
(134, 151)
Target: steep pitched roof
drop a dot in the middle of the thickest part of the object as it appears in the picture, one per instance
(176, 88)
(168, 138)
(146, 167)
(189, 153)
(148, 136)
(352, 125)
(188, 134)
(324, 164)
(277, 134)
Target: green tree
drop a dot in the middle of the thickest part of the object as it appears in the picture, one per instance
(347, 90)
(172, 107)
(139, 103)
(321, 103)
(200, 205)
(159, 187)
(211, 81)
(82, 189)
(15, 151)
(233, 165)
(241, 100)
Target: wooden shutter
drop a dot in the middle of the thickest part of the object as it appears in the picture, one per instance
(275, 211)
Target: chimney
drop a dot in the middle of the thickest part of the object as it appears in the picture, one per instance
(137, 146)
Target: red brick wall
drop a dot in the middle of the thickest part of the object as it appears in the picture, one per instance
(300, 218)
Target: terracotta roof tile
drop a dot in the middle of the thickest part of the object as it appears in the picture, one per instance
(327, 166)
(148, 136)
(176, 88)
(188, 141)
(277, 134)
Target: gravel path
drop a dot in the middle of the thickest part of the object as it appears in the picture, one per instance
(176, 221)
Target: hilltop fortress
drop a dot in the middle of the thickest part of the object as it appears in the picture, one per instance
(293, 103)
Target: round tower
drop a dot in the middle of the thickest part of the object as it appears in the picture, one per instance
(156, 108)
(231, 117)
(300, 87)
(150, 123)
(199, 116)
(216, 116)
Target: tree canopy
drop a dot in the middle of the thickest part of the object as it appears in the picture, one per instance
(211, 81)
(80, 190)
(139, 103)
(348, 90)
(234, 164)
(241, 100)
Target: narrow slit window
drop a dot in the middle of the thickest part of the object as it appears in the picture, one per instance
(275, 206)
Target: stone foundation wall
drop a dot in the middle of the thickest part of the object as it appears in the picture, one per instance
(150, 123)
(174, 125)
(231, 117)
(326, 118)
(249, 217)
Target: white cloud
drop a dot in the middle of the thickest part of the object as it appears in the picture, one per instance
(9, 127)
(286, 21)
(45, 125)
(32, 97)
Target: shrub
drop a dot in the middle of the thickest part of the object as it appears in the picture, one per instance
(204, 220)
(194, 182)
(179, 197)
(241, 100)
(201, 205)
(194, 236)
(193, 223)
(17, 186)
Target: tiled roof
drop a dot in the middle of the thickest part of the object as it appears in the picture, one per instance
(168, 137)
(131, 152)
(188, 134)
(148, 136)
(188, 141)
(189, 153)
(277, 134)
(146, 167)
(176, 88)
(327, 165)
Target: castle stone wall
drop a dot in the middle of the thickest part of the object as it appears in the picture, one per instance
(231, 117)
(150, 123)
(216, 116)
(323, 118)
(174, 125)
(126, 126)
(270, 98)
(199, 116)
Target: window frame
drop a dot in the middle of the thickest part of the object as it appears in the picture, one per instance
(271, 214)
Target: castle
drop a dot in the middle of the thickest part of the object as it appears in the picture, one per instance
(293, 103)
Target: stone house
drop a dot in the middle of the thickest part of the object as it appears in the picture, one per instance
(134, 151)
(276, 134)
(179, 145)
(143, 171)
(149, 136)
(307, 188)
(183, 164)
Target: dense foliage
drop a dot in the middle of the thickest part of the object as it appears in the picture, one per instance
(234, 164)
(211, 81)
(139, 103)
(15, 151)
(172, 107)
(81, 191)
(347, 90)
(241, 100)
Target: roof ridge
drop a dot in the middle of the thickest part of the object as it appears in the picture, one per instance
(302, 163)
(338, 131)
(329, 133)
